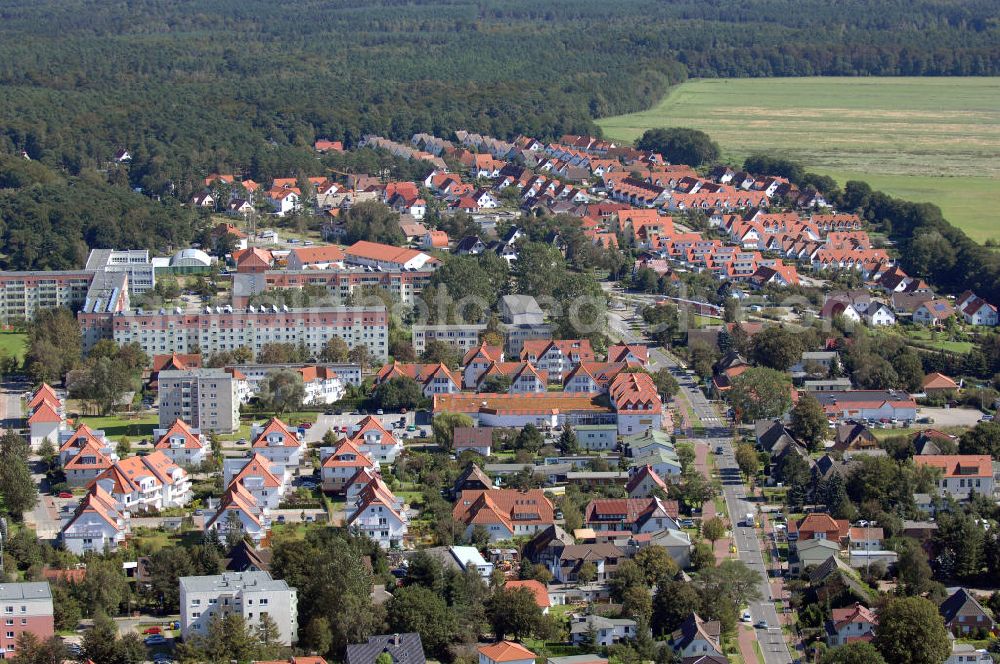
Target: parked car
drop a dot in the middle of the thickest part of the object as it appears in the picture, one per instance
(152, 630)
(155, 640)
(328, 412)
(65, 494)
(379, 412)
(305, 425)
(411, 428)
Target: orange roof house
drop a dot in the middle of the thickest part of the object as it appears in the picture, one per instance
(820, 525)
(536, 588)
(505, 651)
(938, 383)
(504, 512)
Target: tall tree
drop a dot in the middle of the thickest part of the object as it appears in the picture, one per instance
(680, 145)
(18, 489)
(513, 612)
(809, 422)
(910, 631)
(760, 393)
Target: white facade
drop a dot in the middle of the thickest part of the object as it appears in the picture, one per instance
(596, 437)
(462, 337)
(228, 329)
(248, 594)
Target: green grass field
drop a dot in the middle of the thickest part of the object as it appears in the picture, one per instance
(924, 139)
(13, 343)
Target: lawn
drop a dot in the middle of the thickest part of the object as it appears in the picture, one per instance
(924, 139)
(13, 344)
(115, 426)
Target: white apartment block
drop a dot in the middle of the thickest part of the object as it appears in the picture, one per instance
(225, 328)
(462, 337)
(248, 594)
(206, 399)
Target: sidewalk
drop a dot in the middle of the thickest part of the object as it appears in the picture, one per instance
(701, 456)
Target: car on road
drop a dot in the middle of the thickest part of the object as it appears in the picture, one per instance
(155, 640)
(328, 412)
(746, 617)
(379, 412)
(65, 494)
(761, 624)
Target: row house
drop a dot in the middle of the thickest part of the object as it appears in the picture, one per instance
(401, 150)
(589, 377)
(379, 515)
(477, 360)
(557, 357)
(141, 483)
(435, 378)
(635, 192)
(524, 377)
(98, 524)
(837, 222)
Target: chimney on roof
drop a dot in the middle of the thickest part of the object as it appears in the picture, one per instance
(396, 639)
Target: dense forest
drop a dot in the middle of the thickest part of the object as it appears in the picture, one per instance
(199, 86)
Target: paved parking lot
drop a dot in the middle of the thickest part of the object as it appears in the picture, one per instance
(326, 422)
(949, 417)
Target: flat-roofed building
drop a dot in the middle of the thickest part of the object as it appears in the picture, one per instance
(26, 608)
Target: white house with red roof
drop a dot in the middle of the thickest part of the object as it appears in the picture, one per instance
(319, 258)
(557, 357)
(375, 441)
(850, 623)
(146, 482)
(631, 515)
(644, 482)
(504, 513)
(45, 420)
(592, 376)
(636, 403)
(339, 466)
(380, 515)
(183, 444)
(976, 311)
(386, 256)
(278, 443)
(961, 474)
(97, 524)
(283, 200)
(629, 354)
(506, 652)
(434, 378)
(72, 443)
(90, 460)
(265, 481)
(252, 518)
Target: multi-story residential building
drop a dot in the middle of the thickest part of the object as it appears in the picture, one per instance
(22, 294)
(181, 442)
(225, 328)
(388, 257)
(596, 437)
(339, 282)
(72, 442)
(462, 337)
(89, 462)
(606, 631)
(380, 515)
(140, 483)
(206, 399)
(26, 607)
(277, 443)
(961, 474)
(98, 524)
(250, 595)
(433, 378)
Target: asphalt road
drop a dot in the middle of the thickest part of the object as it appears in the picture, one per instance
(734, 491)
